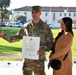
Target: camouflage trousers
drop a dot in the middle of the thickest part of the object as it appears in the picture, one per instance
(33, 65)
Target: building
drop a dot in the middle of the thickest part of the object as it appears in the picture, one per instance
(49, 15)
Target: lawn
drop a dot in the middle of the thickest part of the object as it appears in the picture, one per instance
(10, 48)
(15, 48)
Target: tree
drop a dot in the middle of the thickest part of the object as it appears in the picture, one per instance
(3, 5)
(20, 18)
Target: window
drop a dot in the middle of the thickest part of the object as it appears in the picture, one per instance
(54, 16)
(69, 14)
(60, 14)
(17, 12)
(64, 14)
(46, 14)
(74, 14)
(25, 13)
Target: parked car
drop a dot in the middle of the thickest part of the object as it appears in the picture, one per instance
(55, 25)
(15, 24)
(74, 26)
(49, 25)
(2, 24)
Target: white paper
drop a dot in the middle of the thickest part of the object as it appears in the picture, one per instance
(30, 46)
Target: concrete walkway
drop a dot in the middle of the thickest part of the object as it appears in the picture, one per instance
(10, 55)
(15, 68)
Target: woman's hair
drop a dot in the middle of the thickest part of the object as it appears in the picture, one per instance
(68, 23)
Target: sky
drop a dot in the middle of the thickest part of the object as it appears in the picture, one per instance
(21, 3)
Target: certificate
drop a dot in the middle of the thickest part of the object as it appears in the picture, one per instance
(30, 46)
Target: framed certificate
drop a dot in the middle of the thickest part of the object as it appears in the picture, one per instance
(30, 46)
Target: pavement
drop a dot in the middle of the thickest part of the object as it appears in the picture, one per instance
(10, 55)
(15, 67)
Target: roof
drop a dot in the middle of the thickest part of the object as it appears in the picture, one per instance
(29, 8)
(61, 9)
(52, 9)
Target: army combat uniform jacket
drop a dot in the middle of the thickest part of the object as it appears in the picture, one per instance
(41, 30)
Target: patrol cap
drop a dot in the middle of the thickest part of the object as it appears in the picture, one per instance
(36, 8)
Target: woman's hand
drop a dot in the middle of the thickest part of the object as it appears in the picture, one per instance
(50, 54)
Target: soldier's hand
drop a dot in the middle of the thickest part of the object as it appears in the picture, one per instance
(2, 34)
(39, 51)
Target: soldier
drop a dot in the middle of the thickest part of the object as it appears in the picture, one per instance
(35, 27)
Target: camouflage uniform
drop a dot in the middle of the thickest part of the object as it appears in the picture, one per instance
(41, 30)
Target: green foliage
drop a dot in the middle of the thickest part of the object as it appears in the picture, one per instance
(3, 5)
(22, 18)
(19, 17)
(4, 13)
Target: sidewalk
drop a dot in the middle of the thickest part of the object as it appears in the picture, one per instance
(15, 68)
(10, 55)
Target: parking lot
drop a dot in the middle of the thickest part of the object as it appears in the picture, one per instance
(15, 68)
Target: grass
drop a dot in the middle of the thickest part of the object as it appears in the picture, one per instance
(15, 48)
(10, 59)
(9, 30)
(10, 48)
(74, 43)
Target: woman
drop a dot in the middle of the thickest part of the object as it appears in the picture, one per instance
(63, 43)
